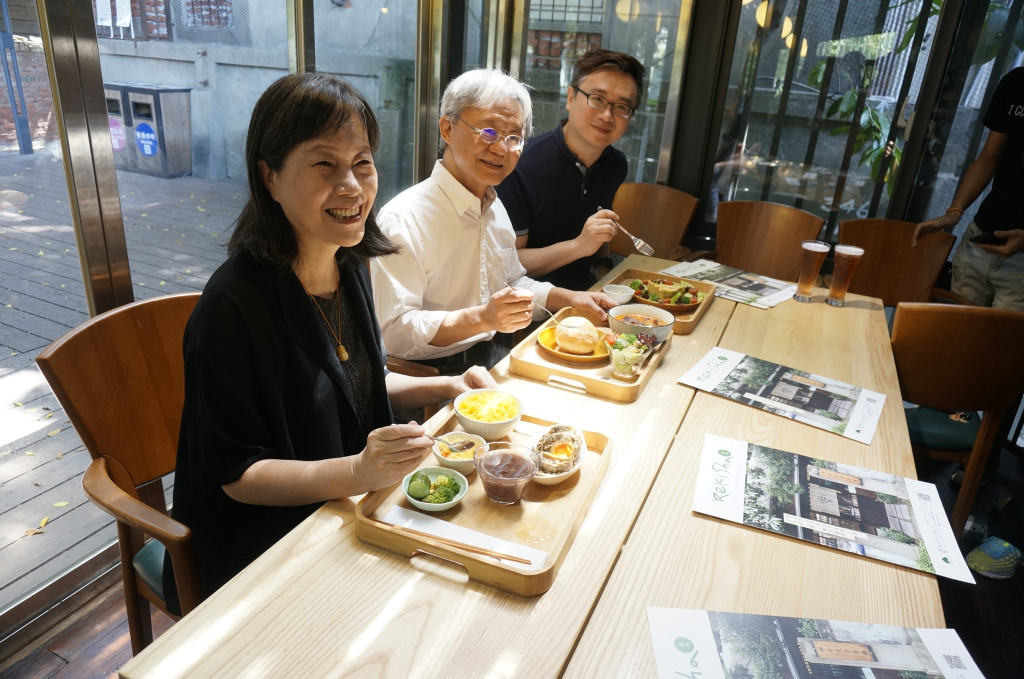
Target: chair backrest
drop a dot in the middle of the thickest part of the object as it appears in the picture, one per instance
(764, 238)
(120, 378)
(953, 357)
(890, 268)
(656, 213)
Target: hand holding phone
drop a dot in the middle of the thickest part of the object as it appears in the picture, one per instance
(988, 239)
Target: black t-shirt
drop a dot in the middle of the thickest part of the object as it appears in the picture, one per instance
(1001, 208)
(263, 381)
(550, 195)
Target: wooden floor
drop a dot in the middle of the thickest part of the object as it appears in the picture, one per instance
(93, 642)
(174, 230)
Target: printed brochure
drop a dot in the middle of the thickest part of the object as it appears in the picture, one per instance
(860, 511)
(713, 645)
(735, 284)
(812, 399)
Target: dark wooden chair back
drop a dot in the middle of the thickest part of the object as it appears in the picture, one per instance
(656, 213)
(891, 269)
(120, 379)
(764, 238)
(955, 357)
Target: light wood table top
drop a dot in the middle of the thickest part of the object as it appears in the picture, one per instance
(677, 558)
(320, 603)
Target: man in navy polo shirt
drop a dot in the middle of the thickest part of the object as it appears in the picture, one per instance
(565, 176)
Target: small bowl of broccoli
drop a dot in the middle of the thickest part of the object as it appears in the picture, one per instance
(434, 489)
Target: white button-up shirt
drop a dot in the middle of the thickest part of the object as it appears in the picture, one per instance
(456, 253)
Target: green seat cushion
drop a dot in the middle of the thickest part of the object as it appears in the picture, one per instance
(149, 564)
(932, 429)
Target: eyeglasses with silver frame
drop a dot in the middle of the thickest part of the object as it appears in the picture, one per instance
(489, 135)
(600, 103)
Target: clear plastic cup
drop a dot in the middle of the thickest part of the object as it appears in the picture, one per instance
(505, 469)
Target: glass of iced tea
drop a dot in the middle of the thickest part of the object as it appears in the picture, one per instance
(846, 261)
(505, 470)
(814, 252)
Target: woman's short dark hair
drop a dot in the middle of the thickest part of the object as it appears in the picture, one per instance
(295, 109)
(600, 60)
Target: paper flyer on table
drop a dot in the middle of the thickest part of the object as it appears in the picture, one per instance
(848, 508)
(799, 395)
(691, 644)
(735, 284)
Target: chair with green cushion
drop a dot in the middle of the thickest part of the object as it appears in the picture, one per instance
(958, 358)
(120, 379)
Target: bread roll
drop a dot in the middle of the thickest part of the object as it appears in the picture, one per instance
(576, 335)
(560, 448)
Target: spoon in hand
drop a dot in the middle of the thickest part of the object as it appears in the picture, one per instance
(456, 447)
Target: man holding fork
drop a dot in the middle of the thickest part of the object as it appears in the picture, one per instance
(556, 193)
(457, 288)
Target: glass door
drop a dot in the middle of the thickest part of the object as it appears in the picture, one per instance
(818, 101)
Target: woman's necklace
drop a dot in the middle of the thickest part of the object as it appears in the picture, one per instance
(339, 348)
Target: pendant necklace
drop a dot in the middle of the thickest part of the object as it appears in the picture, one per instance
(339, 348)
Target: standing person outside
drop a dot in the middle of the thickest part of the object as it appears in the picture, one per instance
(990, 273)
(457, 280)
(559, 194)
(287, 400)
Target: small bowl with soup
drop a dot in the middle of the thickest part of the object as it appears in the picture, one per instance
(637, 318)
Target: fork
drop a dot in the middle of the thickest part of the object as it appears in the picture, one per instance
(642, 246)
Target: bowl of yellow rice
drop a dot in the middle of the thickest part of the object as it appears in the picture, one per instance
(489, 413)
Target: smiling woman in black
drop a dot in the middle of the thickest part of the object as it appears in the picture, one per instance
(287, 400)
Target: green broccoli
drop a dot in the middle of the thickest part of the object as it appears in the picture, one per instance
(636, 284)
(443, 489)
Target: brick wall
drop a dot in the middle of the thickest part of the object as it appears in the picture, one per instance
(38, 102)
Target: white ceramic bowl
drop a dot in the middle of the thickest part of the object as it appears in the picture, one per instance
(433, 472)
(621, 294)
(489, 431)
(545, 479)
(466, 465)
(662, 332)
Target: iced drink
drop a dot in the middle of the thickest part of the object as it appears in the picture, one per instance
(814, 252)
(847, 259)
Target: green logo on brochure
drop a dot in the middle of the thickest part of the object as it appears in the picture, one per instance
(683, 645)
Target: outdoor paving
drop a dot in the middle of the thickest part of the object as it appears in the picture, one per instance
(175, 230)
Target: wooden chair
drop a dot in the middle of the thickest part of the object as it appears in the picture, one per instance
(120, 379)
(951, 357)
(764, 238)
(405, 367)
(656, 213)
(890, 268)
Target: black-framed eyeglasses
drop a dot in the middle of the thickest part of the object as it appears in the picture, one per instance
(489, 135)
(600, 103)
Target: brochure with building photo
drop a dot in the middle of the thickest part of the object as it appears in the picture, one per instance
(799, 395)
(855, 510)
(735, 284)
(714, 645)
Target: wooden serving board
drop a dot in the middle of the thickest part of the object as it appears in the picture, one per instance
(687, 320)
(528, 359)
(546, 518)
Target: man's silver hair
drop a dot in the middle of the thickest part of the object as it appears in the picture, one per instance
(485, 88)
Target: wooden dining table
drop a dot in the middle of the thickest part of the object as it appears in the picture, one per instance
(322, 603)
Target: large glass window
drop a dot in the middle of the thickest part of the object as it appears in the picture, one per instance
(818, 101)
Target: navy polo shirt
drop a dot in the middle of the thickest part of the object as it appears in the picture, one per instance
(550, 195)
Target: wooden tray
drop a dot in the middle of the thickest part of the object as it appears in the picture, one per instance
(528, 359)
(687, 319)
(547, 517)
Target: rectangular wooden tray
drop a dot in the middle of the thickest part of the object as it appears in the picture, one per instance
(685, 322)
(547, 517)
(528, 359)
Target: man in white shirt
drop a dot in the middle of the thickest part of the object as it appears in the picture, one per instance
(458, 280)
